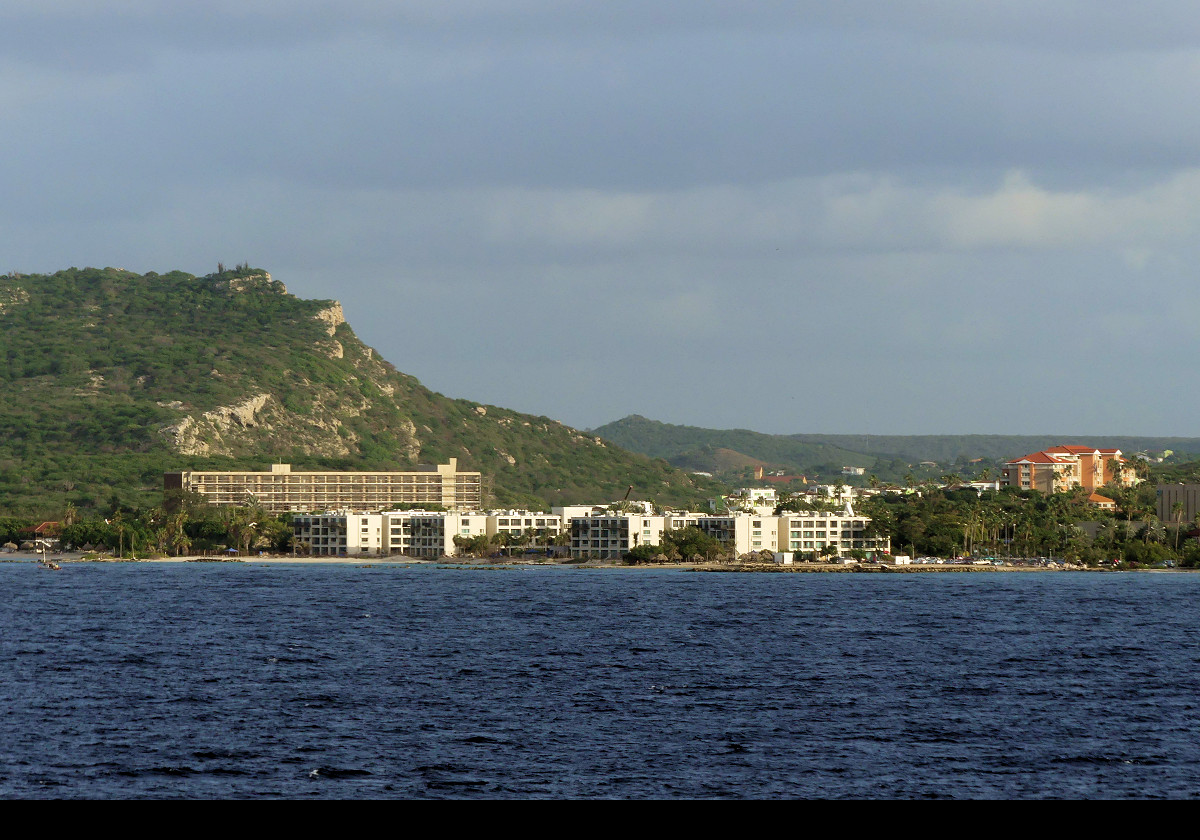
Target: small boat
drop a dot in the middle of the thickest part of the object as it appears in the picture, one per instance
(43, 560)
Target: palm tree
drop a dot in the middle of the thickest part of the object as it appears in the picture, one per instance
(1177, 509)
(974, 530)
(1114, 470)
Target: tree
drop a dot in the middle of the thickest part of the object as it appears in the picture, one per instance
(1177, 509)
(475, 546)
(118, 523)
(682, 543)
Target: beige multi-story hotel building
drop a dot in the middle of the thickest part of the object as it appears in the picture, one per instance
(281, 490)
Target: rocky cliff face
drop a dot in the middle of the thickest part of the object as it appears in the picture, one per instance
(174, 371)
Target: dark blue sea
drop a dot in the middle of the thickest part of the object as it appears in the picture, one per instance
(289, 681)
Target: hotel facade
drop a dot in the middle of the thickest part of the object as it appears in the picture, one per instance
(1062, 468)
(282, 491)
(412, 533)
(610, 536)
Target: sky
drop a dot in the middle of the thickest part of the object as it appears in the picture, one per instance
(892, 217)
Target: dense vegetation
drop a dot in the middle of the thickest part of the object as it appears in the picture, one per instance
(1027, 524)
(109, 378)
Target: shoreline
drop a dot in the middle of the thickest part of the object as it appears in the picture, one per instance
(77, 558)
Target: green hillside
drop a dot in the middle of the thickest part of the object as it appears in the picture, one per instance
(889, 457)
(712, 450)
(109, 378)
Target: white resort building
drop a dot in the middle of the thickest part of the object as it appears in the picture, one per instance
(412, 533)
(610, 536)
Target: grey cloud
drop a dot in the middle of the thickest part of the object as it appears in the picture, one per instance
(906, 195)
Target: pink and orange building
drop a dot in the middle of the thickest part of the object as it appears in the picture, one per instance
(1061, 468)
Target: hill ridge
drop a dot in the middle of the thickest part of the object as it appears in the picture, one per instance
(888, 455)
(109, 378)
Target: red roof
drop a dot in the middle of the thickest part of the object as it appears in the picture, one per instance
(1051, 455)
(51, 529)
(1040, 458)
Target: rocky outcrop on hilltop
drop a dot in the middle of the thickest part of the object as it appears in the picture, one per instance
(152, 373)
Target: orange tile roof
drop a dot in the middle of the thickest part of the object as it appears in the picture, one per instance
(1040, 458)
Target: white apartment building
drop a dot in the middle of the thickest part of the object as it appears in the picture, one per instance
(337, 534)
(517, 523)
(601, 534)
(809, 531)
(750, 499)
(610, 536)
(412, 533)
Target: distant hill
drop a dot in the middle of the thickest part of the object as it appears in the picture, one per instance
(109, 378)
(889, 456)
(714, 450)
